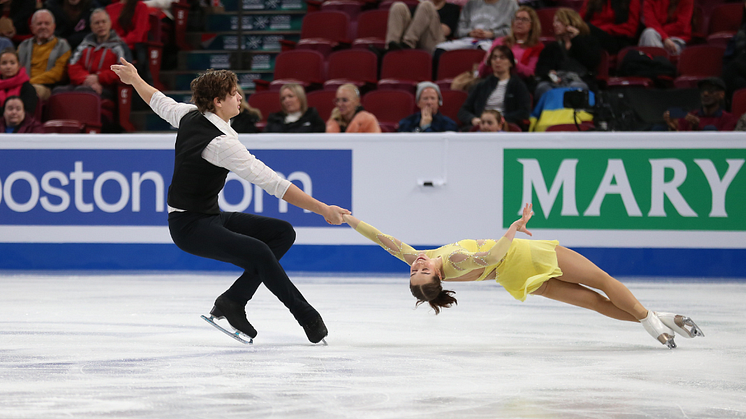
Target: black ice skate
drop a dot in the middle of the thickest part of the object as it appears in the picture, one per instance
(235, 313)
(316, 330)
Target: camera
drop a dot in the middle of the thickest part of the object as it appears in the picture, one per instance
(603, 114)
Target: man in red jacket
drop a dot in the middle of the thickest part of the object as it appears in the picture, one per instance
(90, 65)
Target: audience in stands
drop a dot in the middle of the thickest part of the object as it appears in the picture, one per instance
(734, 60)
(44, 55)
(501, 90)
(90, 66)
(15, 120)
(14, 81)
(163, 6)
(481, 21)
(433, 22)
(245, 121)
(72, 18)
(523, 40)
(613, 22)
(348, 115)
(711, 116)
(15, 16)
(668, 24)
(131, 21)
(428, 119)
(295, 116)
(570, 61)
(5, 43)
(491, 120)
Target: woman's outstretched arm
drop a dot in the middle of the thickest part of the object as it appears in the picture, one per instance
(520, 224)
(392, 245)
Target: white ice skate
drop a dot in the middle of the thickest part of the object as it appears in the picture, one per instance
(680, 324)
(658, 330)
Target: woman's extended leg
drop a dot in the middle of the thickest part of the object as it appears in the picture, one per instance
(578, 271)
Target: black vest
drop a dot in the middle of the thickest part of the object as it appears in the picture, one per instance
(196, 182)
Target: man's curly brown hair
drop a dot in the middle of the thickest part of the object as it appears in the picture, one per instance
(210, 85)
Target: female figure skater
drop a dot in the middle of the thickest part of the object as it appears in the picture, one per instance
(207, 148)
(540, 267)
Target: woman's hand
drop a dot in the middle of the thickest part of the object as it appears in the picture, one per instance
(351, 221)
(520, 224)
(572, 31)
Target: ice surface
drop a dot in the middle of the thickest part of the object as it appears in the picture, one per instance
(134, 346)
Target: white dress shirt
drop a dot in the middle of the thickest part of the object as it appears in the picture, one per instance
(224, 150)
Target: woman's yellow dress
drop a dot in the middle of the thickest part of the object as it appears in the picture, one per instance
(520, 266)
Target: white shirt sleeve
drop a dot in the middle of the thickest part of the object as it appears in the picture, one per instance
(228, 152)
(170, 110)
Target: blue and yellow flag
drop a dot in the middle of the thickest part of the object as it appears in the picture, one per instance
(551, 111)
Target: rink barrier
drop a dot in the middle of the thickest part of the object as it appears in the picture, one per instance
(637, 204)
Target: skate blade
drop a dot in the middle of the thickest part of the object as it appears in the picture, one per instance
(235, 335)
(667, 340)
(324, 342)
(695, 330)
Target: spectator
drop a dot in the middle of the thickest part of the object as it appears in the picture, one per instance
(129, 19)
(613, 22)
(433, 22)
(523, 40)
(15, 120)
(15, 16)
(245, 121)
(734, 60)
(501, 90)
(72, 18)
(492, 120)
(44, 56)
(6, 43)
(668, 24)
(428, 119)
(711, 116)
(295, 116)
(570, 61)
(348, 115)
(14, 81)
(90, 67)
(481, 21)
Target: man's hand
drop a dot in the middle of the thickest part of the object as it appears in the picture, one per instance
(127, 72)
(333, 214)
(427, 116)
(692, 120)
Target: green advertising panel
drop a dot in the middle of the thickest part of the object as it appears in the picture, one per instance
(629, 189)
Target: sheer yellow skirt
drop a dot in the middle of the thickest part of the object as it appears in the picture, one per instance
(528, 264)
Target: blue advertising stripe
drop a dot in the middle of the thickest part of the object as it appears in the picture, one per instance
(703, 264)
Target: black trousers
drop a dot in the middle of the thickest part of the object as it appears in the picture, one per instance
(251, 242)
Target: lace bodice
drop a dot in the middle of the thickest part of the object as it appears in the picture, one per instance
(458, 258)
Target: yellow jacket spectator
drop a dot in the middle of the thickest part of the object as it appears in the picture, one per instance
(44, 56)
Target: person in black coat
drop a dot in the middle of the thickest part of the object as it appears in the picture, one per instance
(295, 116)
(570, 61)
(501, 90)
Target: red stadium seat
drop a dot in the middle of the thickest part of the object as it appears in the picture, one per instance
(403, 69)
(698, 62)
(266, 101)
(724, 22)
(452, 101)
(546, 19)
(356, 66)
(389, 106)
(323, 101)
(64, 126)
(738, 103)
(305, 67)
(84, 107)
(371, 29)
(324, 31)
(453, 63)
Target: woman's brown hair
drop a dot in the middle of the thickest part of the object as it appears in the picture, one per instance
(434, 294)
(126, 16)
(210, 85)
(570, 17)
(534, 35)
